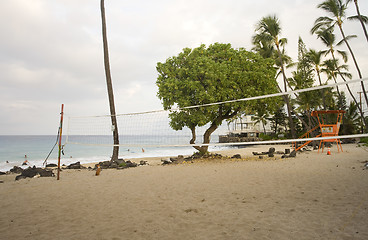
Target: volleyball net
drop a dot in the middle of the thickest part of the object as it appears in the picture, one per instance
(153, 129)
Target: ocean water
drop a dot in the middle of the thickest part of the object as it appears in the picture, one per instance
(15, 149)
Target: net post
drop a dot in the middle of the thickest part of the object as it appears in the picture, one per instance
(60, 134)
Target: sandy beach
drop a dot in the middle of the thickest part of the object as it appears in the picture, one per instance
(312, 196)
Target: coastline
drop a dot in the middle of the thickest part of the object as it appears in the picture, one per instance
(312, 196)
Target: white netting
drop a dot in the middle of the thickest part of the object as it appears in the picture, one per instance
(152, 129)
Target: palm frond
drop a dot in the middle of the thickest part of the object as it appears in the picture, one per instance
(343, 54)
(322, 23)
(347, 38)
(356, 18)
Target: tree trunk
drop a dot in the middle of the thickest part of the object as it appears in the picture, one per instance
(356, 64)
(115, 152)
(286, 98)
(351, 94)
(360, 19)
(322, 90)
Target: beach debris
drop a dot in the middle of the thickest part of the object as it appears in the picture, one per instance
(34, 172)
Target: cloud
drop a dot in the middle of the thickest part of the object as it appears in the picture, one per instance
(52, 50)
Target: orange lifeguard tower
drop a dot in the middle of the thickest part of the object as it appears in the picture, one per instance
(329, 130)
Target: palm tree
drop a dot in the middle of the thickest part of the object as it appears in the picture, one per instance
(337, 10)
(115, 152)
(332, 69)
(269, 29)
(363, 19)
(315, 58)
(261, 117)
(328, 38)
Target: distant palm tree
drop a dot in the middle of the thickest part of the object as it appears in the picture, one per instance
(115, 152)
(261, 117)
(363, 19)
(268, 30)
(315, 57)
(337, 10)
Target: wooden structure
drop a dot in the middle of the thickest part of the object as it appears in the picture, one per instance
(329, 129)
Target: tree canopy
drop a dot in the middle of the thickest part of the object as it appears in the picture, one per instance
(213, 74)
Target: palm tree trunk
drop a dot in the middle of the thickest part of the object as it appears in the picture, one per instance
(360, 19)
(351, 94)
(355, 62)
(322, 90)
(115, 152)
(286, 98)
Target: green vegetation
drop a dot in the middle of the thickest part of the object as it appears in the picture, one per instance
(219, 73)
(213, 74)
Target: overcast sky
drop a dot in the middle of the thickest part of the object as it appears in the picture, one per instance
(51, 51)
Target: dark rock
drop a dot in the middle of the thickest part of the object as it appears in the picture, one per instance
(76, 165)
(237, 156)
(120, 161)
(32, 172)
(19, 177)
(166, 161)
(16, 169)
(260, 157)
(292, 154)
(113, 165)
(173, 159)
(142, 162)
(105, 164)
(51, 165)
(2, 173)
(271, 152)
(287, 151)
(131, 164)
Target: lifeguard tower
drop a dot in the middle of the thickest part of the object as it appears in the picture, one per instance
(329, 130)
(326, 129)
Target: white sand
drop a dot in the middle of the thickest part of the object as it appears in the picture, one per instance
(312, 196)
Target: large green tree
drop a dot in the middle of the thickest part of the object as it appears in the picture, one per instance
(213, 74)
